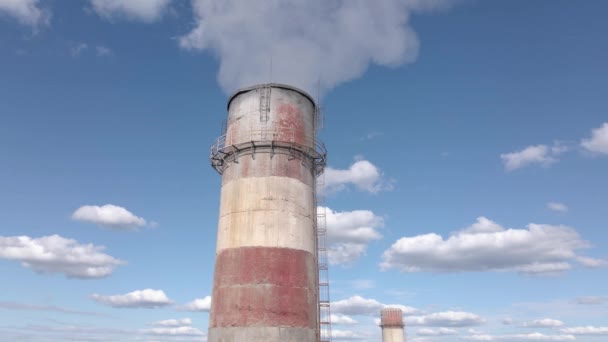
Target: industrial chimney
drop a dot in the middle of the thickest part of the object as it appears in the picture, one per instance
(266, 278)
(391, 321)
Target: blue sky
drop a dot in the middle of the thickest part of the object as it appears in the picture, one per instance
(468, 153)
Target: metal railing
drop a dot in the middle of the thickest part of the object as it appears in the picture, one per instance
(228, 147)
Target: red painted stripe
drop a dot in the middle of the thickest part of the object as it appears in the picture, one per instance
(289, 122)
(391, 318)
(263, 165)
(260, 286)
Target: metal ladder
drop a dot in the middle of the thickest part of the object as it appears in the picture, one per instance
(264, 103)
(323, 262)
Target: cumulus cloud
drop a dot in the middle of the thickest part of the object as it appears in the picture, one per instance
(147, 298)
(446, 319)
(485, 246)
(544, 323)
(56, 254)
(436, 332)
(507, 321)
(362, 174)
(340, 335)
(26, 12)
(174, 328)
(586, 330)
(349, 233)
(591, 262)
(172, 323)
(540, 154)
(520, 337)
(176, 331)
(334, 41)
(147, 11)
(201, 304)
(357, 305)
(342, 319)
(559, 207)
(591, 300)
(109, 216)
(598, 143)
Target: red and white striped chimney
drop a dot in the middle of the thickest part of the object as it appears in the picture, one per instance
(391, 321)
(266, 278)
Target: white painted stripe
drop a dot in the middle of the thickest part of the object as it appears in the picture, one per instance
(267, 193)
(390, 334)
(277, 229)
(266, 212)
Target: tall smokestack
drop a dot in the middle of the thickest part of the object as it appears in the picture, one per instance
(266, 278)
(391, 321)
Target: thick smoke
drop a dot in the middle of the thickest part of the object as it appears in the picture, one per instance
(304, 43)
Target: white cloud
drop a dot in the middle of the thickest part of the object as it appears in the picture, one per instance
(147, 298)
(559, 207)
(109, 216)
(507, 321)
(77, 49)
(591, 262)
(587, 330)
(56, 254)
(520, 337)
(445, 319)
(333, 41)
(345, 253)
(140, 10)
(27, 12)
(202, 304)
(598, 143)
(482, 226)
(171, 323)
(474, 331)
(103, 51)
(591, 300)
(47, 308)
(539, 154)
(364, 175)
(538, 249)
(357, 305)
(340, 335)
(349, 233)
(544, 323)
(357, 226)
(342, 319)
(176, 331)
(436, 332)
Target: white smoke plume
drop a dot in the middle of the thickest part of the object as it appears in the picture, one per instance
(310, 44)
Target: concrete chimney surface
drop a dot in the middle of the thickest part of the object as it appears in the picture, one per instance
(266, 279)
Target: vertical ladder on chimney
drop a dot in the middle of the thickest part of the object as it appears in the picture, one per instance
(323, 264)
(264, 103)
(322, 259)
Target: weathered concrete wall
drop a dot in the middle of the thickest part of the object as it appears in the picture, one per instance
(393, 334)
(266, 281)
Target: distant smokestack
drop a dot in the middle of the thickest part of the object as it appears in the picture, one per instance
(391, 321)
